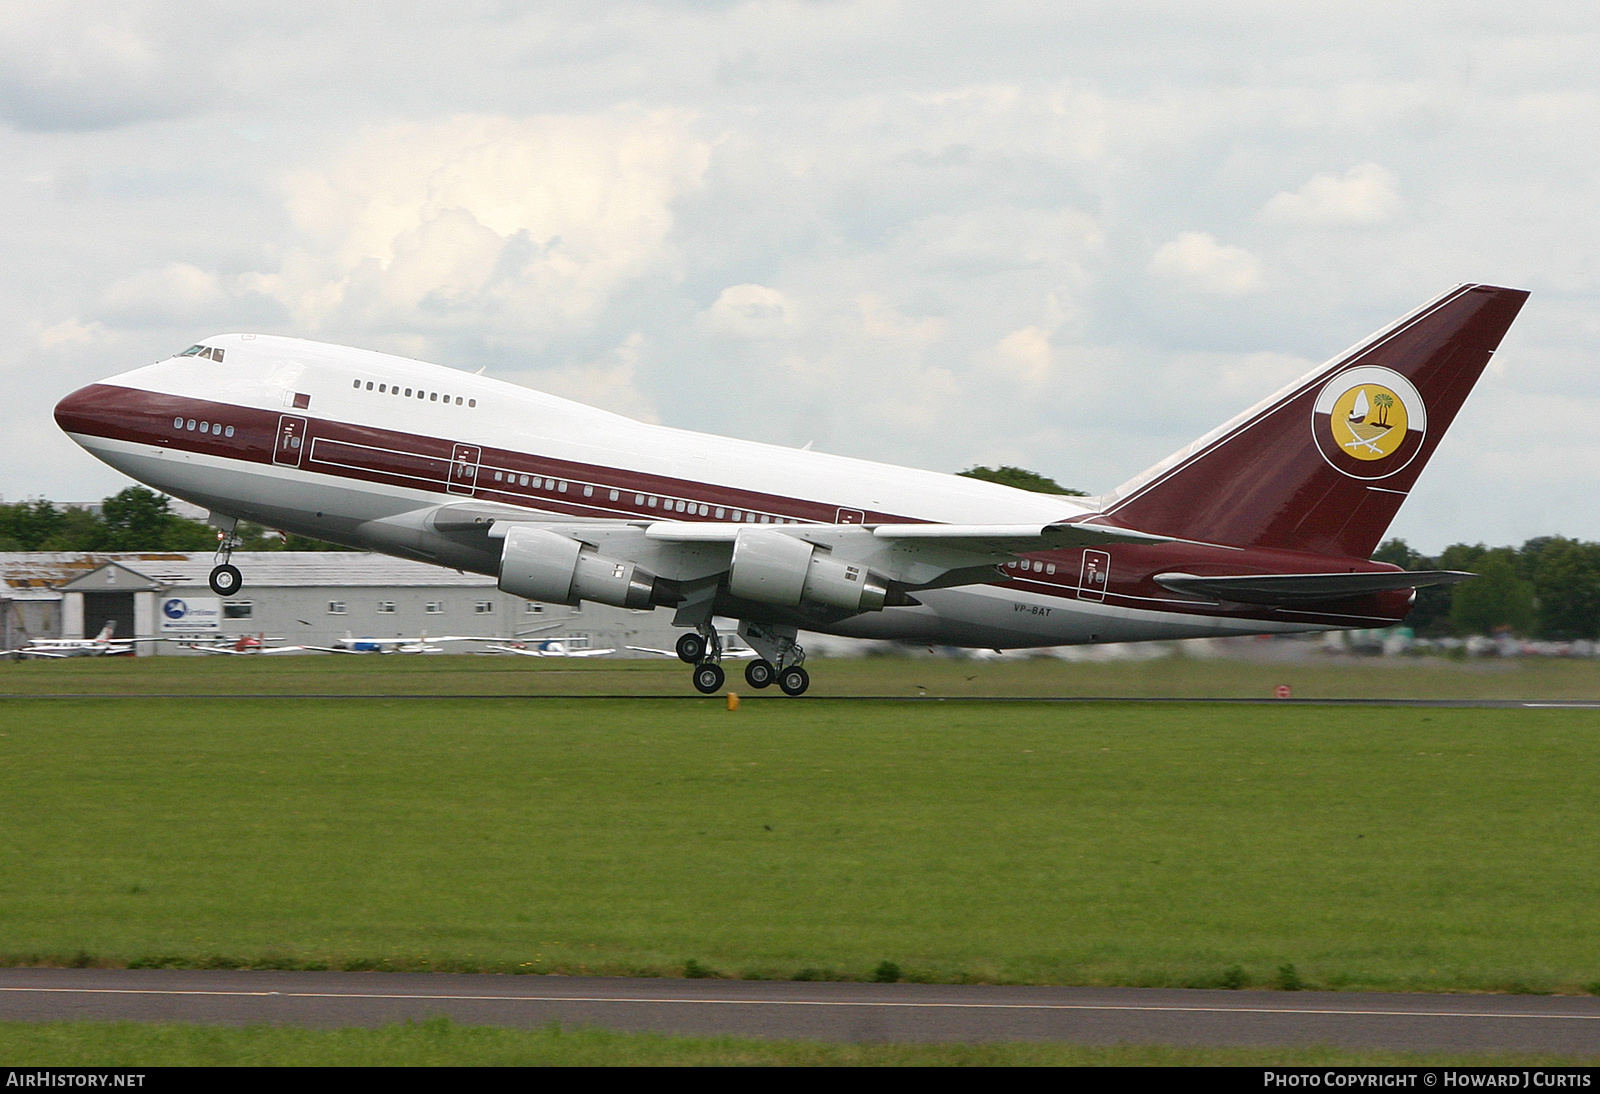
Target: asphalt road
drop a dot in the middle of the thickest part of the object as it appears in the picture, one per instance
(814, 1011)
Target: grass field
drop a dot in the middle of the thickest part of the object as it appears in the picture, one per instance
(1383, 848)
(1394, 678)
(438, 1043)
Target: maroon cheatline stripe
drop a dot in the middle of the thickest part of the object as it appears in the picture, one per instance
(413, 461)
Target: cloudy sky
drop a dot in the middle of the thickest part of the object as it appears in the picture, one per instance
(1070, 236)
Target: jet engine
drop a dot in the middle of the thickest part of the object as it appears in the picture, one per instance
(539, 565)
(774, 568)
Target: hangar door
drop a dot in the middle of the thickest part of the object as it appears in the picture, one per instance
(98, 608)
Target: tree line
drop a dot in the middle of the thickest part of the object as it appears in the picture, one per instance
(1547, 588)
(134, 519)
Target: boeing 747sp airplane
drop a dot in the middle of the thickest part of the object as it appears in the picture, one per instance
(1263, 526)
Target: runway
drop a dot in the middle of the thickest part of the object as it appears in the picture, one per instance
(1465, 704)
(814, 1011)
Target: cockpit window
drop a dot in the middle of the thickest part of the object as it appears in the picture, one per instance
(212, 352)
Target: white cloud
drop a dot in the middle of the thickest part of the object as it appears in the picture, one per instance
(1365, 195)
(86, 66)
(751, 311)
(610, 382)
(922, 234)
(1024, 355)
(1198, 262)
(174, 293)
(521, 226)
(72, 333)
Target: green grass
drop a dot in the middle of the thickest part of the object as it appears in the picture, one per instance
(1531, 678)
(1376, 848)
(439, 1043)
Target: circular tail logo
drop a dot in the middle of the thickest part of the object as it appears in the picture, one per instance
(1369, 422)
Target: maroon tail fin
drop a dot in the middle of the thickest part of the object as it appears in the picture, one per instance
(1323, 465)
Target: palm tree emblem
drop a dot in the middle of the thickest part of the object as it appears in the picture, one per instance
(1383, 400)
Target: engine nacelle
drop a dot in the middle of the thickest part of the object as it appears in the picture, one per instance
(539, 565)
(774, 568)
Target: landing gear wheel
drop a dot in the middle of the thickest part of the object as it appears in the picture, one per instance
(760, 673)
(691, 647)
(708, 678)
(794, 680)
(226, 580)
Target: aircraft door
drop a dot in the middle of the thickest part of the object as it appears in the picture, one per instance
(464, 468)
(850, 516)
(291, 440)
(1095, 575)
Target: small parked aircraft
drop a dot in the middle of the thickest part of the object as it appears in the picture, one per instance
(245, 644)
(101, 645)
(549, 647)
(421, 644)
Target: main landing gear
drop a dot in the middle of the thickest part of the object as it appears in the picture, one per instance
(225, 577)
(703, 649)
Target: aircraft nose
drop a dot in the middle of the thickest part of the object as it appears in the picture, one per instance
(83, 411)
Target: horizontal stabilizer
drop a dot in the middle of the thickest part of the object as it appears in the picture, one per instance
(1284, 589)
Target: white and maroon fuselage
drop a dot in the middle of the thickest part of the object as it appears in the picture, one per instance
(357, 447)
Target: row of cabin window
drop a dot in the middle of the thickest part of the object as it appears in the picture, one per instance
(205, 427)
(431, 396)
(1037, 567)
(671, 505)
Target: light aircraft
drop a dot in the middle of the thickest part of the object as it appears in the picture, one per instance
(548, 647)
(421, 644)
(245, 645)
(101, 645)
(1265, 525)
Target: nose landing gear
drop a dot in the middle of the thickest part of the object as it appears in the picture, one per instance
(225, 578)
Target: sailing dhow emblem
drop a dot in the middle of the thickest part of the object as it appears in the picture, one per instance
(1369, 422)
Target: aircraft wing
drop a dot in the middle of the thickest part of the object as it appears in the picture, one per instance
(918, 556)
(913, 556)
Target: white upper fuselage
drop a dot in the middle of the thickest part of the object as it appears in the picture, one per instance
(264, 371)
